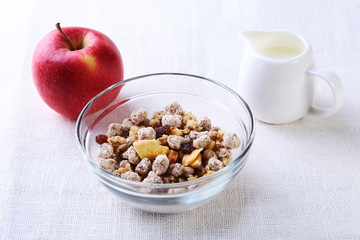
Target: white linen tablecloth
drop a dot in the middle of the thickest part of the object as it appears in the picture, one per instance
(302, 180)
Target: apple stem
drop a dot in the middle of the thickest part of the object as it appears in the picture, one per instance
(72, 48)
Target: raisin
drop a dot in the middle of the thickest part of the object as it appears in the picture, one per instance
(187, 147)
(160, 131)
(102, 138)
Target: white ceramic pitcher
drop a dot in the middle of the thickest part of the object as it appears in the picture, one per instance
(276, 78)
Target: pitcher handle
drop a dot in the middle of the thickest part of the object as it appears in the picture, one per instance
(336, 87)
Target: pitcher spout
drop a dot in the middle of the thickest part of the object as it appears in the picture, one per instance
(274, 44)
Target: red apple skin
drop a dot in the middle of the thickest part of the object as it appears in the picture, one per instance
(66, 80)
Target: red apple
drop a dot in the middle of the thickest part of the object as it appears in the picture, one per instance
(71, 65)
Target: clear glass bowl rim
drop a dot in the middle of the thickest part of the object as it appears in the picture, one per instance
(235, 162)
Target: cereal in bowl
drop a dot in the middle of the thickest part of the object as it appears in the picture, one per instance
(172, 146)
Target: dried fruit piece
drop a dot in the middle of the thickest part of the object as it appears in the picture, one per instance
(187, 147)
(211, 145)
(173, 156)
(175, 131)
(149, 149)
(208, 173)
(100, 139)
(160, 131)
(197, 162)
(189, 158)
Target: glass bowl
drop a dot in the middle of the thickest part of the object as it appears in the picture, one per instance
(199, 95)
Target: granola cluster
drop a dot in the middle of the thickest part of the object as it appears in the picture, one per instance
(173, 146)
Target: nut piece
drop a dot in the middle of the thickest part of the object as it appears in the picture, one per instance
(173, 156)
(192, 124)
(188, 116)
(176, 169)
(189, 158)
(153, 178)
(123, 169)
(226, 160)
(139, 116)
(162, 140)
(127, 124)
(202, 142)
(131, 155)
(161, 164)
(174, 108)
(143, 167)
(175, 131)
(215, 164)
(149, 149)
(146, 133)
(231, 140)
(116, 141)
(223, 152)
(216, 136)
(197, 162)
(172, 120)
(131, 176)
(175, 141)
(205, 123)
(119, 143)
(107, 164)
(115, 129)
(105, 150)
(155, 121)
